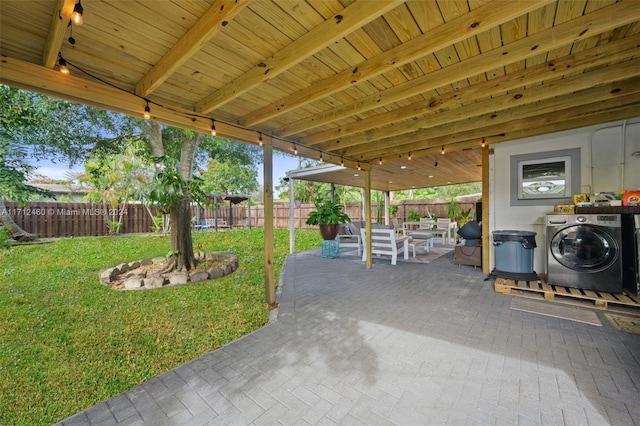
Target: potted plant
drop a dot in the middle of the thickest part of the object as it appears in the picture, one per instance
(328, 216)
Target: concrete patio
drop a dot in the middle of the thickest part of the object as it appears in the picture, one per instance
(409, 344)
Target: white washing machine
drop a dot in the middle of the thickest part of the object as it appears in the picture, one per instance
(584, 251)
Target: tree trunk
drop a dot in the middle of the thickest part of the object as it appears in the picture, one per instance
(181, 241)
(16, 232)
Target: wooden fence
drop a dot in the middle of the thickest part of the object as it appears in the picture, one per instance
(84, 219)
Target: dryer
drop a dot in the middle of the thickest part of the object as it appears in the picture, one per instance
(584, 251)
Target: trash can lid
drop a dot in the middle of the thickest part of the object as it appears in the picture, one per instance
(515, 233)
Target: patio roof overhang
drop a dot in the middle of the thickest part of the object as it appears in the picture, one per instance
(352, 81)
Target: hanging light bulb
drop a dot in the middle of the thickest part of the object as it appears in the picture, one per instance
(359, 168)
(435, 165)
(321, 159)
(76, 16)
(295, 149)
(482, 144)
(63, 65)
(213, 127)
(341, 162)
(380, 161)
(442, 152)
(409, 157)
(260, 139)
(147, 112)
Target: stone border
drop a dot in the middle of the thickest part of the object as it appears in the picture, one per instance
(145, 274)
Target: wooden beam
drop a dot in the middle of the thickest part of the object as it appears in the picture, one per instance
(269, 267)
(57, 30)
(209, 24)
(435, 109)
(475, 22)
(603, 20)
(486, 246)
(350, 18)
(558, 94)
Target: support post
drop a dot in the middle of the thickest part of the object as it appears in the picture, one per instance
(386, 208)
(367, 211)
(249, 212)
(485, 210)
(269, 275)
(292, 225)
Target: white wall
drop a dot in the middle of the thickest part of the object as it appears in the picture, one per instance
(603, 168)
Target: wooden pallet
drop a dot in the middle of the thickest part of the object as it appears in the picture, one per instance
(625, 302)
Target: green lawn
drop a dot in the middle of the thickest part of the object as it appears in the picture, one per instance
(67, 342)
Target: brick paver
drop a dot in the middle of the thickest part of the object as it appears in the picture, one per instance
(406, 344)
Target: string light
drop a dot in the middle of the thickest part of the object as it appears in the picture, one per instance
(409, 157)
(147, 112)
(435, 165)
(341, 162)
(213, 127)
(442, 152)
(359, 168)
(380, 162)
(260, 139)
(295, 149)
(321, 159)
(76, 16)
(63, 65)
(482, 144)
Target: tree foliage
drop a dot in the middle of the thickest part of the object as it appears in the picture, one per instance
(229, 178)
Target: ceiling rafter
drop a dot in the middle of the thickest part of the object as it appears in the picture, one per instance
(331, 30)
(505, 101)
(459, 29)
(508, 120)
(207, 26)
(60, 19)
(535, 125)
(572, 65)
(604, 20)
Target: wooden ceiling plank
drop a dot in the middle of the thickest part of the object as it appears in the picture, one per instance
(551, 89)
(331, 30)
(456, 30)
(60, 19)
(602, 20)
(207, 26)
(510, 119)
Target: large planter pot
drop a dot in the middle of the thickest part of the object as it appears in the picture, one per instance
(328, 232)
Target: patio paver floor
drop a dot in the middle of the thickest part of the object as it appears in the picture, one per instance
(406, 344)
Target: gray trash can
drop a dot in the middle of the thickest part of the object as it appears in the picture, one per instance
(514, 251)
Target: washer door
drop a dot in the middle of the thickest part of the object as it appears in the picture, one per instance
(584, 248)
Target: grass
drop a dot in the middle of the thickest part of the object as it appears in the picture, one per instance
(67, 342)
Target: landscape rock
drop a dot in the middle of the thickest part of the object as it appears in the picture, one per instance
(146, 262)
(134, 265)
(123, 267)
(228, 269)
(106, 275)
(132, 283)
(156, 260)
(153, 281)
(215, 273)
(178, 278)
(198, 276)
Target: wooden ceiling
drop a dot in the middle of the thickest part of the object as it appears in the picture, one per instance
(355, 81)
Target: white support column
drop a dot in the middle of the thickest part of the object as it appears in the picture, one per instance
(292, 226)
(386, 208)
(367, 211)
